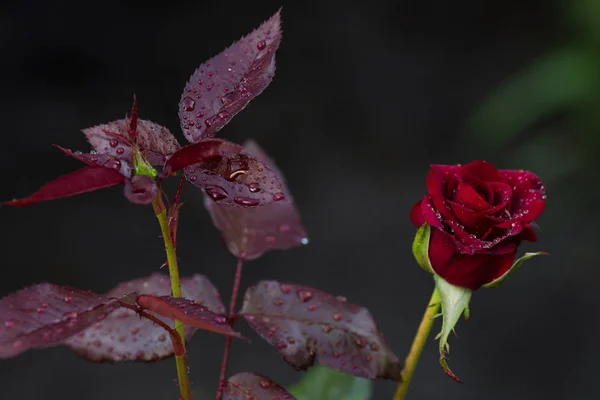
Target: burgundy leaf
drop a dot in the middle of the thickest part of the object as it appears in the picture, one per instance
(124, 336)
(207, 152)
(227, 174)
(250, 386)
(225, 84)
(84, 180)
(250, 232)
(112, 139)
(140, 189)
(44, 315)
(188, 312)
(307, 325)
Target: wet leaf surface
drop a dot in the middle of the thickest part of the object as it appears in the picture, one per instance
(44, 315)
(307, 326)
(250, 386)
(124, 336)
(225, 84)
(250, 232)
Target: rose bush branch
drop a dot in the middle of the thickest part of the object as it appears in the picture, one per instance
(161, 214)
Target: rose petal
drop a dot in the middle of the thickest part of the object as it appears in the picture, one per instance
(437, 180)
(470, 271)
(482, 170)
(417, 216)
(468, 243)
(528, 234)
(502, 197)
(425, 212)
(467, 196)
(529, 194)
(477, 222)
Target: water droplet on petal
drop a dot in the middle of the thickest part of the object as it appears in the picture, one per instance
(219, 319)
(9, 324)
(113, 142)
(278, 196)
(261, 45)
(120, 150)
(337, 317)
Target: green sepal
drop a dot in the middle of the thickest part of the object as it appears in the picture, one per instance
(420, 247)
(455, 302)
(515, 266)
(141, 166)
(327, 384)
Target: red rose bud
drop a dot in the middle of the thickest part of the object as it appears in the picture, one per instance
(471, 223)
(478, 217)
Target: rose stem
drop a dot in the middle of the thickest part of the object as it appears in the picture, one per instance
(417, 346)
(234, 295)
(161, 213)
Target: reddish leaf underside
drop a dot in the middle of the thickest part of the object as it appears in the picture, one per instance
(124, 336)
(87, 179)
(307, 325)
(112, 139)
(188, 312)
(225, 84)
(44, 315)
(95, 159)
(250, 232)
(250, 386)
(227, 174)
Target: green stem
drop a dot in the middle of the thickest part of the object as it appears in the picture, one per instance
(418, 343)
(161, 213)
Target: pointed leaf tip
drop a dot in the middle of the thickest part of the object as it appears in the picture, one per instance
(455, 302)
(307, 326)
(225, 84)
(84, 180)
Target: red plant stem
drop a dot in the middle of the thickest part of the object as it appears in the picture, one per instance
(232, 302)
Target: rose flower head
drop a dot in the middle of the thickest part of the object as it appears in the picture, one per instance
(478, 216)
(471, 223)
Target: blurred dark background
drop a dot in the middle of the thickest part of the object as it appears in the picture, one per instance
(366, 96)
